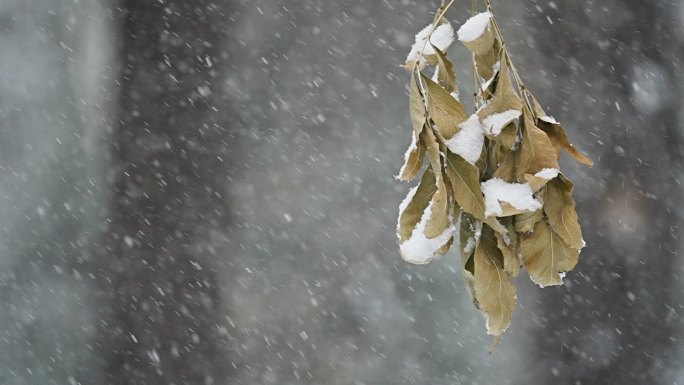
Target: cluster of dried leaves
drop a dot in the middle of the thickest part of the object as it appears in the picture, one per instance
(491, 177)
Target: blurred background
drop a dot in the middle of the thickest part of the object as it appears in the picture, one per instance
(202, 192)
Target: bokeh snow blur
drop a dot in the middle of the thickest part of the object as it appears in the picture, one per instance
(202, 192)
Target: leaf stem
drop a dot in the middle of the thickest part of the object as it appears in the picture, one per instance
(476, 77)
(518, 81)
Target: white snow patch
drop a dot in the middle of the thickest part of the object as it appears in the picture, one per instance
(474, 27)
(469, 140)
(420, 249)
(518, 195)
(548, 119)
(407, 200)
(494, 123)
(456, 95)
(441, 38)
(469, 246)
(547, 173)
(561, 275)
(412, 147)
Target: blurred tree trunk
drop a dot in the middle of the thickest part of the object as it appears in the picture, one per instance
(624, 291)
(161, 321)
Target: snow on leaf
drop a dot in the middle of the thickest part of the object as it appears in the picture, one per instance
(418, 248)
(413, 160)
(505, 199)
(414, 245)
(494, 291)
(441, 38)
(474, 27)
(469, 140)
(412, 207)
(477, 34)
(546, 256)
(504, 107)
(493, 124)
(540, 179)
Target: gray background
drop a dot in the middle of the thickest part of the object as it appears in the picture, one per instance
(202, 192)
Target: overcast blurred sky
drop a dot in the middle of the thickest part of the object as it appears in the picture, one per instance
(203, 192)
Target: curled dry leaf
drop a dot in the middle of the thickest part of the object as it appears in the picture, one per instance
(414, 214)
(416, 106)
(546, 256)
(524, 223)
(465, 182)
(493, 288)
(556, 133)
(413, 160)
(445, 72)
(559, 139)
(509, 245)
(536, 149)
(440, 218)
(560, 210)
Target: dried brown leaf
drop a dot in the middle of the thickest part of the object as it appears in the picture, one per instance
(440, 218)
(560, 210)
(536, 150)
(509, 244)
(411, 215)
(414, 160)
(559, 139)
(465, 182)
(524, 222)
(503, 107)
(416, 106)
(546, 256)
(446, 75)
(493, 288)
(444, 109)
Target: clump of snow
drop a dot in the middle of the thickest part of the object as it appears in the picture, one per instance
(469, 140)
(476, 228)
(441, 38)
(412, 147)
(548, 119)
(547, 173)
(561, 275)
(494, 123)
(404, 204)
(518, 195)
(456, 95)
(474, 27)
(420, 249)
(469, 246)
